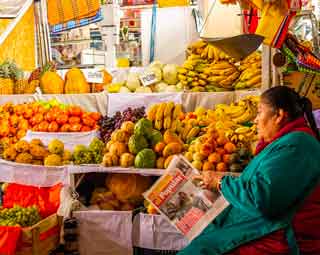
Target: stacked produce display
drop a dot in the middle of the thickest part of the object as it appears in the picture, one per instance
(47, 80)
(206, 68)
(18, 216)
(42, 116)
(209, 69)
(166, 80)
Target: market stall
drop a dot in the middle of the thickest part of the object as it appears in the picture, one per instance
(86, 137)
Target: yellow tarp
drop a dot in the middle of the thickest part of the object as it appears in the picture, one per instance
(20, 43)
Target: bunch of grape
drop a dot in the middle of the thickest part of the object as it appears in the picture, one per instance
(19, 216)
(109, 124)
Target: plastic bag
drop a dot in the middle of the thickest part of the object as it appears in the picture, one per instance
(47, 199)
(9, 237)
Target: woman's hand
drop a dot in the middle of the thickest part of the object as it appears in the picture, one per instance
(208, 180)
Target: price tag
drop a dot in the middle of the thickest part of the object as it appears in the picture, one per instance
(93, 75)
(148, 79)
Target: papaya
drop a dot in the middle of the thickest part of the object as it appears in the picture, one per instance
(171, 137)
(76, 82)
(171, 149)
(167, 161)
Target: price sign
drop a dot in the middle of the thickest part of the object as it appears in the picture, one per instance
(148, 79)
(93, 75)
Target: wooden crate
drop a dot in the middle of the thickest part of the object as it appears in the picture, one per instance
(32, 245)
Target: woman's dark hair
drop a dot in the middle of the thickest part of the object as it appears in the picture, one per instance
(282, 97)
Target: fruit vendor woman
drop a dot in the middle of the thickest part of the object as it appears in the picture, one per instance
(275, 203)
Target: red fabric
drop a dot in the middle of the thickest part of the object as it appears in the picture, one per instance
(306, 223)
(47, 199)
(253, 18)
(9, 237)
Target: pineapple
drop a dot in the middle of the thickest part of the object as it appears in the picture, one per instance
(8, 74)
(31, 87)
(20, 86)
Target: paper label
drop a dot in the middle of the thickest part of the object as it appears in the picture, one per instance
(148, 79)
(93, 75)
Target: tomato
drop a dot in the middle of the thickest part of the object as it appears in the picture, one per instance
(75, 111)
(36, 119)
(74, 120)
(50, 116)
(28, 113)
(14, 120)
(12, 130)
(23, 125)
(4, 130)
(41, 109)
(95, 115)
(35, 128)
(85, 129)
(75, 127)
(88, 121)
(19, 109)
(32, 122)
(21, 134)
(65, 128)
(62, 119)
(53, 127)
(43, 126)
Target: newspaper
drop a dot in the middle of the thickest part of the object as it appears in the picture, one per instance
(177, 197)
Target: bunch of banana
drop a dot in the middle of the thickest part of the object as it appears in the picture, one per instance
(165, 115)
(207, 51)
(250, 69)
(222, 74)
(191, 74)
(189, 130)
(242, 135)
(243, 111)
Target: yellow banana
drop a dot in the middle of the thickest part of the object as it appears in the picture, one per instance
(217, 78)
(241, 138)
(256, 65)
(204, 53)
(182, 77)
(158, 124)
(198, 44)
(215, 53)
(194, 56)
(160, 111)
(254, 80)
(242, 130)
(186, 131)
(247, 116)
(210, 52)
(151, 115)
(228, 71)
(250, 74)
(191, 74)
(167, 122)
(182, 70)
(179, 127)
(203, 76)
(235, 111)
(174, 125)
(221, 65)
(168, 109)
(202, 82)
(193, 132)
(188, 66)
(177, 111)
